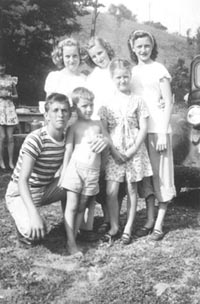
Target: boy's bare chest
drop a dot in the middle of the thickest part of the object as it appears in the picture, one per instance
(87, 133)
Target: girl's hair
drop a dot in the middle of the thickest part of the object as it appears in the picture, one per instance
(104, 44)
(140, 34)
(119, 63)
(57, 54)
(56, 97)
(81, 92)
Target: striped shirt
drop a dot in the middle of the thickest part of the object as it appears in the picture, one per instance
(47, 153)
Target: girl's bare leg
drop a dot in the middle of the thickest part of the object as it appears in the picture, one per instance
(112, 189)
(2, 138)
(106, 218)
(10, 130)
(150, 207)
(131, 207)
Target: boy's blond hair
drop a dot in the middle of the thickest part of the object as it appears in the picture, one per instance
(83, 93)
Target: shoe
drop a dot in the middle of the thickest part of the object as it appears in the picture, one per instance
(109, 238)
(126, 238)
(143, 231)
(77, 256)
(87, 236)
(103, 228)
(157, 235)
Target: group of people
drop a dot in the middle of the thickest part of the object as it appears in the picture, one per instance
(121, 139)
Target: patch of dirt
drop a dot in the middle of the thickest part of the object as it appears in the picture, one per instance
(165, 272)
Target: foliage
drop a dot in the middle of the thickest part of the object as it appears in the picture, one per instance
(190, 39)
(180, 80)
(157, 25)
(95, 5)
(121, 11)
(28, 30)
(85, 4)
(197, 39)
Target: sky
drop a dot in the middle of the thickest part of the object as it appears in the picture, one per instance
(176, 15)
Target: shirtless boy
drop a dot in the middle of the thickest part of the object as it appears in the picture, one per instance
(81, 167)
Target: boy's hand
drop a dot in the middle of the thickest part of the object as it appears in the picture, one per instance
(161, 144)
(37, 227)
(99, 143)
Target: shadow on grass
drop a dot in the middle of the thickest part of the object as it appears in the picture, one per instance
(182, 213)
(189, 198)
(56, 240)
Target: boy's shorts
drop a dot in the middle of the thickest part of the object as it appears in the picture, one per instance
(81, 179)
(41, 196)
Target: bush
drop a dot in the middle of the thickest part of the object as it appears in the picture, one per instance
(180, 80)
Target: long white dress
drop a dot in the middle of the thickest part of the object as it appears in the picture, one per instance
(146, 83)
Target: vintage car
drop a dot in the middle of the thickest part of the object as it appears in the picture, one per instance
(186, 135)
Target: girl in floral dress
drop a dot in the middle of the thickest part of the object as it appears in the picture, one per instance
(125, 119)
(8, 116)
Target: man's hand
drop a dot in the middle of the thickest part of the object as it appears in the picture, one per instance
(37, 227)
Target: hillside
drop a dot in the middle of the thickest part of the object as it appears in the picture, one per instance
(170, 46)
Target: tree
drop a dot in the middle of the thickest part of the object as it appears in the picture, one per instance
(197, 40)
(95, 5)
(189, 38)
(180, 80)
(122, 11)
(157, 25)
(28, 30)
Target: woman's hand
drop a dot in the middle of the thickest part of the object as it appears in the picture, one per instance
(118, 157)
(161, 144)
(130, 152)
(99, 143)
(161, 104)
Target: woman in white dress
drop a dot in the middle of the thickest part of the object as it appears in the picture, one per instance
(67, 57)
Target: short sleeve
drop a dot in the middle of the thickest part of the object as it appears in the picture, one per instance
(162, 72)
(32, 145)
(50, 83)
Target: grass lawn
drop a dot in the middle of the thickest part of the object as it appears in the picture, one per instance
(143, 272)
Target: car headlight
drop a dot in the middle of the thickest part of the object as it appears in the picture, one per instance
(193, 115)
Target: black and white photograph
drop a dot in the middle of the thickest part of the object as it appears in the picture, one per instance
(100, 152)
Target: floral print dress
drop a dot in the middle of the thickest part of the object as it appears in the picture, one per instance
(122, 116)
(8, 115)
